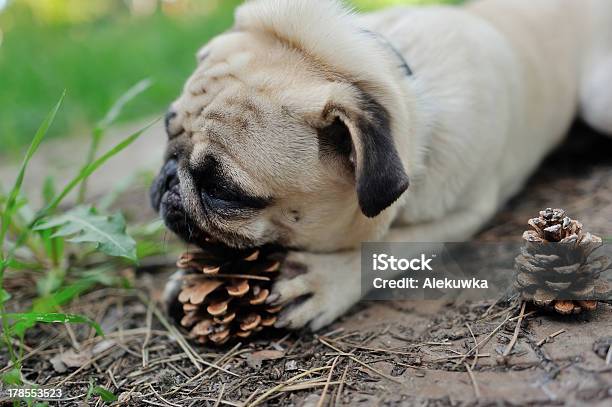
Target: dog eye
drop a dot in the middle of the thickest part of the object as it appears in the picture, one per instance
(217, 192)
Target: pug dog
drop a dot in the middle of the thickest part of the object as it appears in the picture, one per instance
(312, 127)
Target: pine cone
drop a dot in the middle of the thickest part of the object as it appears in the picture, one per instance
(554, 269)
(224, 292)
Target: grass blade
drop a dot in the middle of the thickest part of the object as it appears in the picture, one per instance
(12, 197)
(93, 166)
(53, 318)
(106, 395)
(123, 100)
(102, 126)
(10, 206)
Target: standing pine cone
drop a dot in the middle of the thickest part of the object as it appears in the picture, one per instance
(224, 292)
(554, 269)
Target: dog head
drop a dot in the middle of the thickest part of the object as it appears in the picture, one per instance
(279, 137)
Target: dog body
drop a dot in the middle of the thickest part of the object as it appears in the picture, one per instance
(317, 129)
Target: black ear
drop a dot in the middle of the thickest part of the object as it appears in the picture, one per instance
(380, 175)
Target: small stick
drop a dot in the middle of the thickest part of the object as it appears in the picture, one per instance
(177, 335)
(551, 336)
(220, 396)
(73, 338)
(489, 309)
(278, 387)
(329, 377)
(473, 380)
(517, 330)
(475, 343)
(341, 386)
(145, 343)
(383, 350)
(445, 358)
(485, 340)
(251, 397)
(305, 386)
(161, 398)
(354, 359)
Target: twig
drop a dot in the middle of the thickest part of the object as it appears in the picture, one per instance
(517, 330)
(489, 336)
(220, 396)
(179, 337)
(305, 386)
(485, 340)
(549, 337)
(229, 403)
(354, 359)
(354, 345)
(341, 386)
(463, 356)
(251, 397)
(329, 377)
(84, 366)
(161, 398)
(73, 338)
(475, 343)
(473, 379)
(489, 309)
(278, 387)
(145, 343)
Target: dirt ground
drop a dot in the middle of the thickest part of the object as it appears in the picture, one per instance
(391, 353)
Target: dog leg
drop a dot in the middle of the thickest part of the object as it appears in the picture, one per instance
(330, 284)
(596, 81)
(596, 96)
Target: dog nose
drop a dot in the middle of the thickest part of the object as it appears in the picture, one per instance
(166, 180)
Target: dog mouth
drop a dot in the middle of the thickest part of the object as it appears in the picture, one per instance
(177, 220)
(168, 200)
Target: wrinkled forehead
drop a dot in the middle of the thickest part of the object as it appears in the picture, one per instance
(246, 101)
(250, 71)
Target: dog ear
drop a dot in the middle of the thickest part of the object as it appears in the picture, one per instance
(379, 173)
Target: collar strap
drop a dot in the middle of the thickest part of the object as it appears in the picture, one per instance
(384, 41)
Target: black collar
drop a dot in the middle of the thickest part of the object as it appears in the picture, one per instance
(384, 41)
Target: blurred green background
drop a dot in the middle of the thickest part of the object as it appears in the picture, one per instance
(97, 49)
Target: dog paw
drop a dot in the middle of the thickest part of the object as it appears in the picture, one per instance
(316, 289)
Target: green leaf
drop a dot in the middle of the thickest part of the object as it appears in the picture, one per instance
(48, 191)
(9, 208)
(51, 281)
(106, 395)
(52, 302)
(12, 377)
(21, 265)
(53, 318)
(4, 296)
(85, 225)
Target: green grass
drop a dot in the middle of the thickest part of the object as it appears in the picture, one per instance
(96, 61)
(68, 251)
